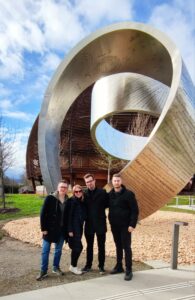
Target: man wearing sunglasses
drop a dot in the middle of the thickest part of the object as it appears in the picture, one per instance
(53, 218)
(96, 201)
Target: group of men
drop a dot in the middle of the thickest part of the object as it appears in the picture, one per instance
(123, 217)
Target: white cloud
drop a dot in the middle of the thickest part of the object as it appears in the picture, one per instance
(22, 116)
(48, 25)
(94, 12)
(18, 33)
(40, 84)
(51, 62)
(11, 64)
(34, 26)
(177, 21)
(4, 91)
(5, 104)
(19, 29)
(60, 23)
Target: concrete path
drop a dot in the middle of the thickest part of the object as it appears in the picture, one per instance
(161, 283)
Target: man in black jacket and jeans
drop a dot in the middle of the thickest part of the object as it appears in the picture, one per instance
(53, 219)
(123, 216)
(96, 202)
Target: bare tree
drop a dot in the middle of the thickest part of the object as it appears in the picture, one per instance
(107, 162)
(141, 124)
(7, 139)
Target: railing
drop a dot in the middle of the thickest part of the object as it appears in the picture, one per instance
(190, 203)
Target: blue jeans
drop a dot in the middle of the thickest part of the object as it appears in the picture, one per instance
(45, 254)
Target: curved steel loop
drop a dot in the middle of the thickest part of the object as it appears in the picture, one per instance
(120, 93)
(166, 162)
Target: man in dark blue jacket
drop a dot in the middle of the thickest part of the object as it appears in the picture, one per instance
(123, 216)
(54, 218)
(96, 202)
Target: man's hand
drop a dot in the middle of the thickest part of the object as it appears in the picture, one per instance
(130, 229)
(45, 232)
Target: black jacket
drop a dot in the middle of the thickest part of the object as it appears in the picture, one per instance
(123, 208)
(50, 219)
(76, 216)
(96, 202)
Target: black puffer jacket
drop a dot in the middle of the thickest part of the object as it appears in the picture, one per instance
(123, 208)
(96, 202)
(50, 219)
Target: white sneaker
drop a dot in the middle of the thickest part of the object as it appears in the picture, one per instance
(75, 270)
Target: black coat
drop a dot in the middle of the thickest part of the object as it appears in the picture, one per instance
(123, 208)
(76, 216)
(96, 202)
(50, 219)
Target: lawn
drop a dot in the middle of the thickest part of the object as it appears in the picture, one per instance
(28, 205)
(175, 209)
(182, 200)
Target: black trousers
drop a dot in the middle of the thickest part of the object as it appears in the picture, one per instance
(122, 240)
(76, 246)
(101, 238)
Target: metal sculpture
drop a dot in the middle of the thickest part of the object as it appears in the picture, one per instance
(143, 71)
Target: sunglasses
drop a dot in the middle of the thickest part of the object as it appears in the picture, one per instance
(80, 191)
(63, 187)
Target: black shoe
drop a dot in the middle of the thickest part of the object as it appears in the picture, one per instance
(102, 271)
(86, 269)
(128, 275)
(117, 270)
(57, 271)
(42, 275)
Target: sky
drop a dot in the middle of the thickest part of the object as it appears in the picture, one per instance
(36, 35)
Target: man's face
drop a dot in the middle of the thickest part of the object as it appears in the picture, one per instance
(90, 183)
(62, 188)
(116, 182)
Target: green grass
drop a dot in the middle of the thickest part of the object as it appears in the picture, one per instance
(175, 209)
(182, 200)
(28, 205)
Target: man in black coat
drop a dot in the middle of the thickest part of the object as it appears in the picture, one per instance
(96, 202)
(123, 216)
(53, 219)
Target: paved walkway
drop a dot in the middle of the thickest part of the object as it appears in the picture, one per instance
(160, 283)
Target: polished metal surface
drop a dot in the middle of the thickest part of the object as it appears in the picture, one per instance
(162, 167)
(120, 93)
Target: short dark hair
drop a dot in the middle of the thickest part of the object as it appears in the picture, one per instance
(88, 175)
(63, 181)
(116, 175)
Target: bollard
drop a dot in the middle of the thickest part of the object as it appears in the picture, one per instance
(175, 240)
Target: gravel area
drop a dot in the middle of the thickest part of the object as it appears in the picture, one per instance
(152, 239)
